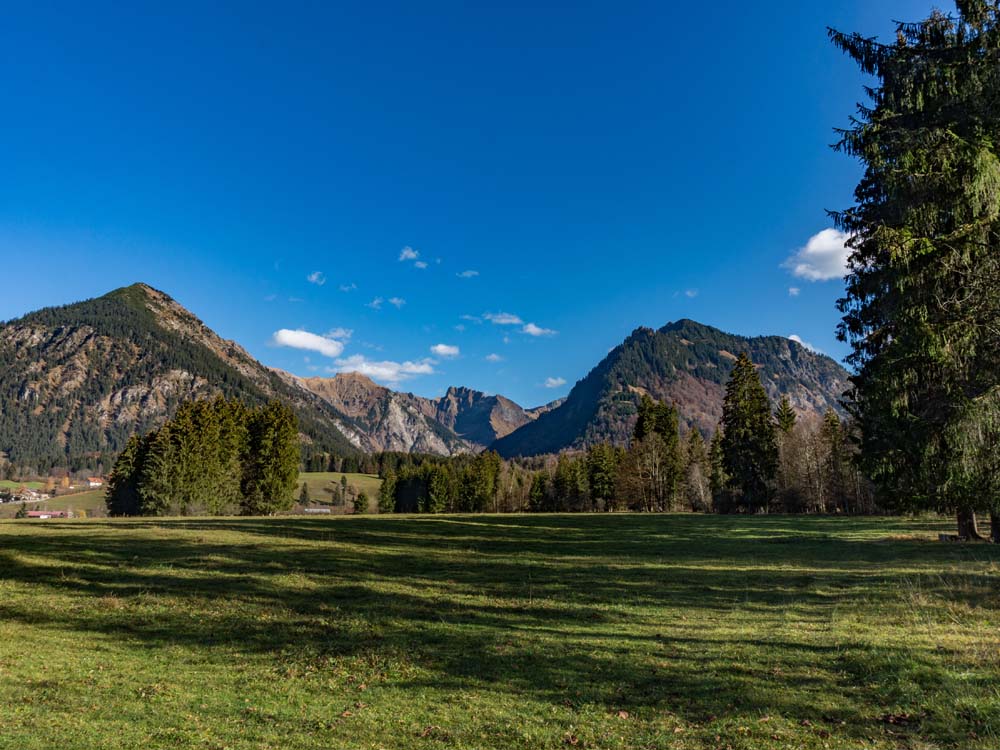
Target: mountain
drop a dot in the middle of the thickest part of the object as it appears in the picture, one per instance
(461, 421)
(684, 362)
(386, 420)
(77, 380)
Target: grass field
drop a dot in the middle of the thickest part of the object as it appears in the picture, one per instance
(90, 502)
(12, 485)
(319, 480)
(614, 631)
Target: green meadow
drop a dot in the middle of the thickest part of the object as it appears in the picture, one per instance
(549, 631)
(320, 482)
(90, 502)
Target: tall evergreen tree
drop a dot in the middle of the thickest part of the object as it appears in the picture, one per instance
(602, 468)
(569, 484)
(272, 465)
(922, 304)
(749, 449)
(122, 492)
(387, 492)
(784, 416)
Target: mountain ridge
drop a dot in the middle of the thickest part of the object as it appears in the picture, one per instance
(76, 380)
(684, 362)
(463, 420)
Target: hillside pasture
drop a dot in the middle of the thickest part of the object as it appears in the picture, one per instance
(90, 502)
(10, 484)
(319, 482)
(550, 631)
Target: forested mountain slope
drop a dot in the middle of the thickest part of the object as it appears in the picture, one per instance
(77, 380)
(686, 363)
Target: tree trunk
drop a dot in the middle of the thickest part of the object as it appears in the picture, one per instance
(995, 526)
(968, 527)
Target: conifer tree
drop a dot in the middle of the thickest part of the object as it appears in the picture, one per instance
(387, 492)
(922, 303)
(272, 465)
(538, 494)
(749, 449)
(122, 493)
(602, 467)
(785, 416)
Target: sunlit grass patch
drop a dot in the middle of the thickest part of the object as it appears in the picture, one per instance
(614, 631)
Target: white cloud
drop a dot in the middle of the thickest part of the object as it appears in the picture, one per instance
(419, 264)
(460, 328)
(532, 330)
(555, 382)
(316, 277)
(691, 293)
(494, 358)
(271, 298)
(375, 304)
(339, 333)
(798, 340)
(408, 253)
(467, 274)
(793, 291)
(385, 371)
(471, 318)
(348, 287)
(824, 257)
(313, 342)
(503, 319)
(446, 351)
(397, 302)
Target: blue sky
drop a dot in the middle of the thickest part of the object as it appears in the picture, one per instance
(435, 193)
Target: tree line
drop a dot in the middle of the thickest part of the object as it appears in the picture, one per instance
(756, 461)
(215, 457)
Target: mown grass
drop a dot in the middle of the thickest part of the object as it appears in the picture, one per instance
(614, 631)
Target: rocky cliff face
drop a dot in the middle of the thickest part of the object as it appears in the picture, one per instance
(461, 421)
(389, 421)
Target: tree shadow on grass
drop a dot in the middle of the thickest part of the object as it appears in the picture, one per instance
(559, 609)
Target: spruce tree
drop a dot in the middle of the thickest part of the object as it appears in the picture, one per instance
(387, 492)
(272, 464)
(922, 302)
(784, 416)
(361, 503)
(602, 468)
(749, 449)
(122, 493)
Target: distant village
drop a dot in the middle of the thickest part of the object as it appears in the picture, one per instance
(31, 496)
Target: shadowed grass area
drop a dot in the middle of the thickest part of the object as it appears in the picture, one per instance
(614, 631)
